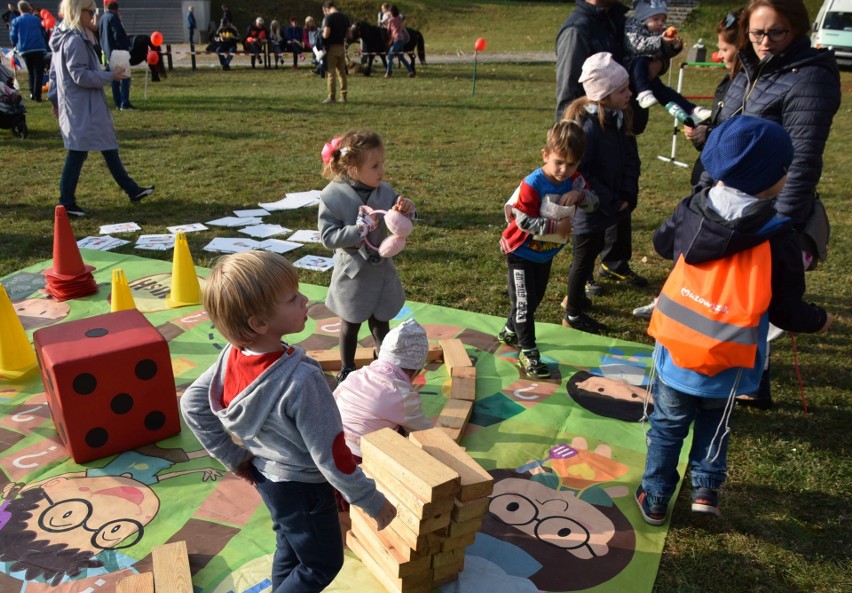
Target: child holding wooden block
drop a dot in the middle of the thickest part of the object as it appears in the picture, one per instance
(381, 395)
(275, 401)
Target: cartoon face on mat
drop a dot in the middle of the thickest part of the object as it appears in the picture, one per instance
(579, 543)
(58, 527)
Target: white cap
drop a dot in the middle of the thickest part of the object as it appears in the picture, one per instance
(405, 346)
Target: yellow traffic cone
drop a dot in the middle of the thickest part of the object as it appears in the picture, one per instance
(17, 357)
(121, 298)
(186, 289)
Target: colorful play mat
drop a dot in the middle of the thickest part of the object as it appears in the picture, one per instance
(570, 448)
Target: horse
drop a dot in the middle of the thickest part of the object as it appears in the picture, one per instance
(374, 42)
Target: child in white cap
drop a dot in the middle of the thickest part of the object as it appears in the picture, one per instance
(382, 395)
(647, 39)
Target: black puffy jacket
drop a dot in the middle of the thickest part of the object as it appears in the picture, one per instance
(800, 90)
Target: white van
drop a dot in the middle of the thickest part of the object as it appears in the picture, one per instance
(833, 29)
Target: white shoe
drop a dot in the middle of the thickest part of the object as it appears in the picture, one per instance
(645, 311)
(701, 114)
(646, 99)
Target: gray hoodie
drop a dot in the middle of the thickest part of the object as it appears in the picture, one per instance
(286, 418)
(77, 91)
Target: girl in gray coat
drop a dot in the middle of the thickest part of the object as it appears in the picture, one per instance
(364, 285)
(77, 93)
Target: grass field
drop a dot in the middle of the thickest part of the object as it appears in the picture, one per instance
(213, 141)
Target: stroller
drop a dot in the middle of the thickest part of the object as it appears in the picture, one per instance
(13, 114)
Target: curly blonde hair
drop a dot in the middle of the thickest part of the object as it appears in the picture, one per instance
(350, 152)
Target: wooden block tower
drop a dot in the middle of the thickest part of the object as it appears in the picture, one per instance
(441, 496)
(456, 413)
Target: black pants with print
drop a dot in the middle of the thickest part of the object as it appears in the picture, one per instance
(586, 250)
(527, 285)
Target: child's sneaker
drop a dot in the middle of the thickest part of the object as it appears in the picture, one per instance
(583, 323)
(646, 99)
(645, 311)
(705, 502)
(593, 288)
(654, 514)
(530, 361)
(508, 337)
(701, 114)
(344, 372)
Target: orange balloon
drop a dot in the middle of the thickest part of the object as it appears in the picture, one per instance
(480, 44)
(156, 38)
(153, 58)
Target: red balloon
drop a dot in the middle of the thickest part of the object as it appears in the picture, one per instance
(153, 58)
(480, 44)
(43, 12)
(156, 38)
(716, 57)
(249, 39)
(48, 22)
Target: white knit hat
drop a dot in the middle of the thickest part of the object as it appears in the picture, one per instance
(405, 346)
(602, 75)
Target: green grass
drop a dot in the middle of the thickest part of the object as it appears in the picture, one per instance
(215, 141)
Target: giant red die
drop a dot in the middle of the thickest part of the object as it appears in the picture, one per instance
(109, 383)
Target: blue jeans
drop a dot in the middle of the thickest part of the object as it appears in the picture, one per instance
(74, 165)
(396, 50)
(308, 546)
(120, 91)
(673, 414)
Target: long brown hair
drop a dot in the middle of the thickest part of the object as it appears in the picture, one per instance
(794, 11)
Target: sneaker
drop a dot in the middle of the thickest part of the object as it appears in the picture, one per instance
(128, 107)
(645, 311)
(593, 288)
(74, 209)
(584, 323)
(411, 74)
(646, 99)
(509, 338)
(328, 100)
(654, 514)
(701, 114)
(344, 372)
(145, 191)
(705, 502)
(629, 276)
(530, 361)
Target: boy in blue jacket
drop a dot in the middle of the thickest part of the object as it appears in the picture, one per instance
(696, 376)
(266, 412)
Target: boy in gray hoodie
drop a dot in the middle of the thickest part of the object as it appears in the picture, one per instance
(276, 403)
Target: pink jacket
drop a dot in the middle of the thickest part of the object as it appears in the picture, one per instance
(378, 396)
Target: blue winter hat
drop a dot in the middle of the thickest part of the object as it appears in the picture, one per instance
(748, 153)
(645, 9)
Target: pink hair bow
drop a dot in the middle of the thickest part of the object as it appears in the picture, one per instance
(329, 148)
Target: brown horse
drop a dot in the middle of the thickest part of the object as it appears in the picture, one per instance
(374, 43)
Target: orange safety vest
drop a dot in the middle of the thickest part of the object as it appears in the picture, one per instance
(707, 315)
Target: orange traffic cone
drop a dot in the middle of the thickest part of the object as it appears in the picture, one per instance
(186, 290)
(121, 298)
(69, 278)
(17, 357)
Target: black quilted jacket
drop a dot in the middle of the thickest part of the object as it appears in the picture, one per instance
(799, 89)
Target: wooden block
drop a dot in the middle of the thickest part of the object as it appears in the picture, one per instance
(465, 511)
(416, 583)
(401, 536)
(393, 563)
(445, 580)
(414, 519)
(471, 526)
(474, 482)
(448, 557)
(136, 583)
(388, 538)
(463, 383)
(441, 573)
(453, 433)
(390, 485)
(171, 568)
(454, 355)
(459, 541)
(435, 352)
(329, 360)
(391, 453)
(454, 417)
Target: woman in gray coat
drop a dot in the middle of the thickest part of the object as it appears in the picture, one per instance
(77, 93)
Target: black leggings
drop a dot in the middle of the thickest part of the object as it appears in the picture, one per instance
(349, 338)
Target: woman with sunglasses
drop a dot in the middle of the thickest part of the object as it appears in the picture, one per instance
(77, 93)
(727, 33)
(787, 81)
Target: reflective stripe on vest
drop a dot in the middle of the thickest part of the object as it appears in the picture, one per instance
(708, 314)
